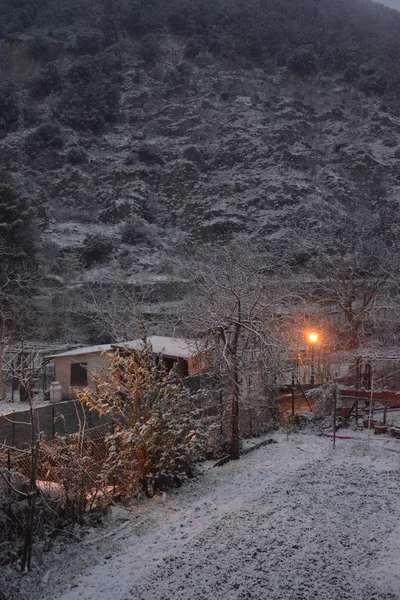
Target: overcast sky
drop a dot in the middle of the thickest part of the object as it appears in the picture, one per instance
(391, 3)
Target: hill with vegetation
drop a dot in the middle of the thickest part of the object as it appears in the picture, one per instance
(131, 127)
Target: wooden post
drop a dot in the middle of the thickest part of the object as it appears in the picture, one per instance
(358, 373)
(53, 414)
(13, 430)
(221, 413)
(334, 413)
(370, 408)
(9, 509)
(235, 441)
(44, 379)
(3, 392)
(292, 394)
(30, 515)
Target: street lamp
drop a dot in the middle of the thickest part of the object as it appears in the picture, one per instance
(313, 339)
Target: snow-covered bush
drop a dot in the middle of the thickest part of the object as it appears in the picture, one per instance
(89, 100)
(47, 135)
(17, 225)
(96, 248)
(303, 61)
(150, 48)
(136, 231)
(46, 82)
(114, 212)
(76, 155)
(323, 398)
(150, 154)
(157, 439)
(89, 42)
(9, 111)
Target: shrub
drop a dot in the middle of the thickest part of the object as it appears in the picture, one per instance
(17, 225)
(47, 135)
(135, 231)
(351, 72)
(302, 61)
(149, 153)
(373, 81)
(114, 212)
(9, 109)
(76, 155)
(323, 398)
(157, 440)
(90, 41)
(91, 108)
(39, 48)
(96, 248)
(89, 101)
(46, 82)
(193, 47)
(150, 48)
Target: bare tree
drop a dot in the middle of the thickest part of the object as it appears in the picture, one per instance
(355, 283)
(234, 310)
(360, 272)
(112, 308)
(15, 315)
(26, 377)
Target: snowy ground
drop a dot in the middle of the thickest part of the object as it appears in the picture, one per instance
(291, 521)
(7, 407)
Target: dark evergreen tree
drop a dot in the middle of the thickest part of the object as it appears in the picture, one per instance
(18, 234)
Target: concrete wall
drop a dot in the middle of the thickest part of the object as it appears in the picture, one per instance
(94, 361)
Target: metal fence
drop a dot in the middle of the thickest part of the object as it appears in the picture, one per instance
(63, 418)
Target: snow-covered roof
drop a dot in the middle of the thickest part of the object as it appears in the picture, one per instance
(85, 350)
(173, 347)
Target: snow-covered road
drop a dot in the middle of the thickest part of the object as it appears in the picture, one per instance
(293, 520)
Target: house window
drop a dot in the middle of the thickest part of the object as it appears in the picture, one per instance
(79, 373)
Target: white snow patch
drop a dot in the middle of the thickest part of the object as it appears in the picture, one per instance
(7, 407)
(292, 521)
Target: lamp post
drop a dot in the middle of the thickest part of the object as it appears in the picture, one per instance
(313, 339)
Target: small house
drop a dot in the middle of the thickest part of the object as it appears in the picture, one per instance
(73, 369)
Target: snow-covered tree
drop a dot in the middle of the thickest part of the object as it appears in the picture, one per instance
(234, 308)
(157, 438)
(17, 232)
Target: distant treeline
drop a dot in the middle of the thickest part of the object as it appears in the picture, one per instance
(355, 38)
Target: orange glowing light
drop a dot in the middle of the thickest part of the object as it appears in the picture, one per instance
(313, 337)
